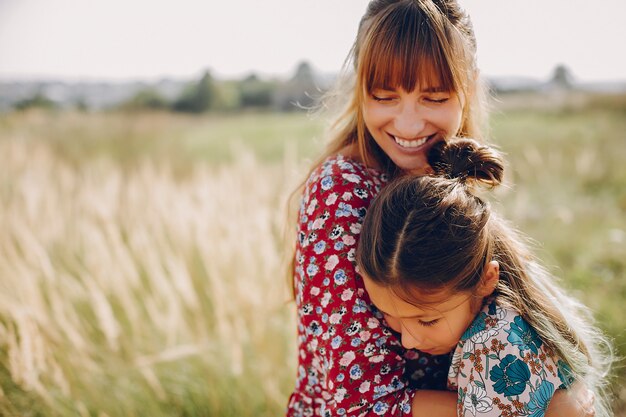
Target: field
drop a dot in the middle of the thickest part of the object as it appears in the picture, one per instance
(141, 254)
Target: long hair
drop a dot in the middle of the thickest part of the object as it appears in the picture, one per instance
(433, 233)
(398, 43)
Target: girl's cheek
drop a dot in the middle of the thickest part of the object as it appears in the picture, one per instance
(394, 324)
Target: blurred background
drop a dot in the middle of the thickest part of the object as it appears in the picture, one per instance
(147, 150)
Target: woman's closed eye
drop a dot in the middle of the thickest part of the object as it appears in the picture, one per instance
(382, 99)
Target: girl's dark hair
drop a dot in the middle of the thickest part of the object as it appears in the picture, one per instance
(431, 233)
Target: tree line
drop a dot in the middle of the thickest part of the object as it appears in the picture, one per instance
(208, 94)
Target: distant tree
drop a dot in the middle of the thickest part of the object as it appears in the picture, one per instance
(199, 97)
(562, 77)
(300, 91)
(80, 104)
(38, 100)
(147, 99)
(254, 92)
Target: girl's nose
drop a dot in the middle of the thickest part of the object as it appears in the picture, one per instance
(409, 122)
(410, 340)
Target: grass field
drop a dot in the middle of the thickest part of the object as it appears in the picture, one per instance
(141, 254)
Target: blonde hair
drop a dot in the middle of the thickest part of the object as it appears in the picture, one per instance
(431, 233)
(398, 43)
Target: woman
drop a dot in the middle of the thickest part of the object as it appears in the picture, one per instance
(415, 84)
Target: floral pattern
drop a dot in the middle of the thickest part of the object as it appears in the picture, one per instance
(349, 362)
(502, 368)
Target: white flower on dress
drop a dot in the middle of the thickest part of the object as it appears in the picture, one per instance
(455, 363)
(331, 263)
(476, 399)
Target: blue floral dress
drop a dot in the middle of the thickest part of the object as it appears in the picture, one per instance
(502, 368)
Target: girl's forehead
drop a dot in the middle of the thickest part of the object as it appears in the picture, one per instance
(403, 303)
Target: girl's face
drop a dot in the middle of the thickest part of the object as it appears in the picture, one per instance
(435, 328)
(406, 125)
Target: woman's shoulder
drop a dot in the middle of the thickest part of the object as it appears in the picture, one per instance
(340, 169)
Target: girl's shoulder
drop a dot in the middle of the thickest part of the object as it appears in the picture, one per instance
(501, 326)
(502, 360)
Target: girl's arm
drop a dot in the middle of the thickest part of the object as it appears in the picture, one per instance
(574, 402)
(429, 403)
(577, 401)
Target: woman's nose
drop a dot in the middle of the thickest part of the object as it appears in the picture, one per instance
(409, 122)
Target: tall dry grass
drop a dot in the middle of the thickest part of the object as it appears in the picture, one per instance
(140, 257)
(133, 291)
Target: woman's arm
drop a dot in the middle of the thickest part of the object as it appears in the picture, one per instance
(345, 351)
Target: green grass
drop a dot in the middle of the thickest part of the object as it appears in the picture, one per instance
(140, 264)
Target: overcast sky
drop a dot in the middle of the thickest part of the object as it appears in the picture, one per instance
(150, 39)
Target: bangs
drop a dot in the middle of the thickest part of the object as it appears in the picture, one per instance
(402, 52)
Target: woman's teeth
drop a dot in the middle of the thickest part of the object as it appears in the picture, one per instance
(410, 143)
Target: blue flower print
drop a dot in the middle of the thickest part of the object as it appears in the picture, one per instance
(510, 376)
(359, 306)
(344, 210)
(340, 377)
(315, 328)
(540, 398)
(339, 245)
(341, 412)
(340, 277)
(379, 391)
(336, 342)
(319, 247)
(380, 408)
(381, 341)
(327, 183)
(356, 372)
(523, 336)
(312, 269)
(355, 342)
(477, 326)
(565, 374)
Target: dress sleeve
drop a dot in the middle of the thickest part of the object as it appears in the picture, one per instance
(502, 368)
(350, 364)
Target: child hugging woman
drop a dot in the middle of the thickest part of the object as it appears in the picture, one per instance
(449, 275)
(411, 82)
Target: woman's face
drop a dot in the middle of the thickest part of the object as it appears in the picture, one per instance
(435, 329)
(407, 125)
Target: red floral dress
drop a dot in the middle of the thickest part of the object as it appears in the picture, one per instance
(349, 362)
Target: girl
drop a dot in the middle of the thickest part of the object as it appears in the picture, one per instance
(449, 275)
(411, 82)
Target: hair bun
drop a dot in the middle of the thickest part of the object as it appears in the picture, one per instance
(468, 161)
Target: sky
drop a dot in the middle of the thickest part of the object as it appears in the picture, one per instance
(119, 40)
